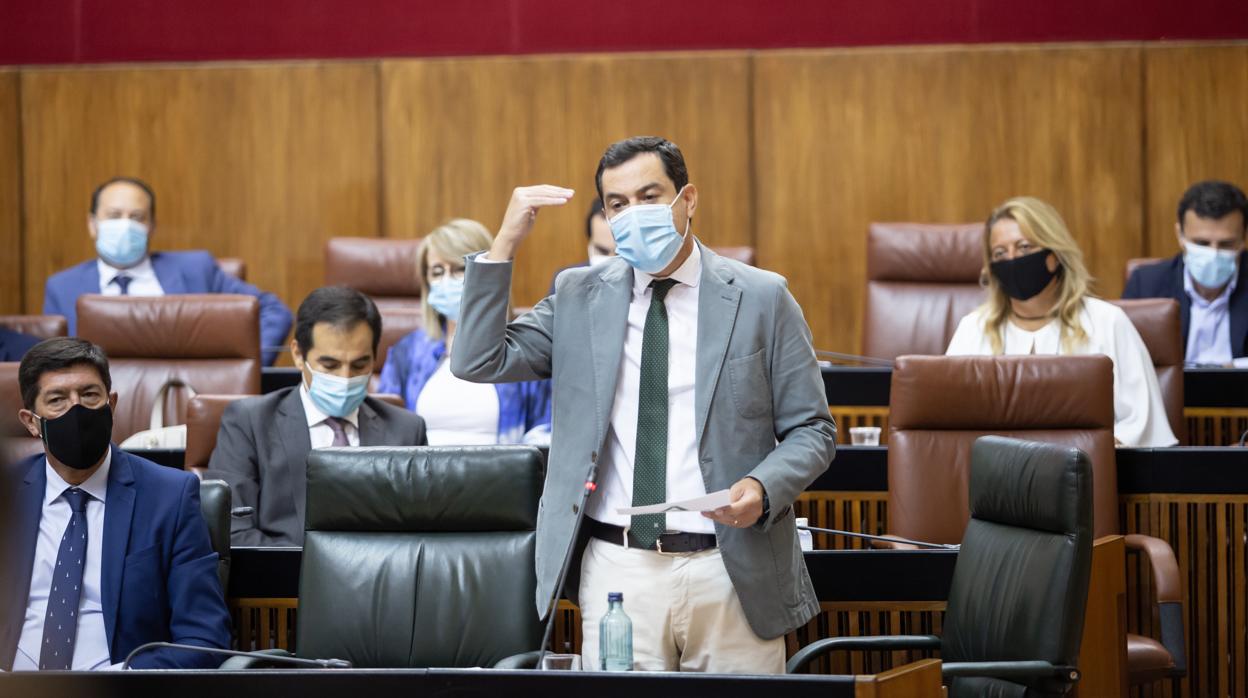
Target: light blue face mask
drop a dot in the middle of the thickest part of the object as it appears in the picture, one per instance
(445, 295)
(646, 236)
(120, 242)
(1209, 267)
(337, 396)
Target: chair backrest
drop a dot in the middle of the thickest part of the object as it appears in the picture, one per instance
(743, 254)
(41, 326)
(234, 266)
(210, 342)
(921, 280)
(396, 323)
(1020, 587)
(1137, 262)
(1158, 322)
(419, 556)
(939, 405)
(382, 268)
(15, 442)
(215, 503)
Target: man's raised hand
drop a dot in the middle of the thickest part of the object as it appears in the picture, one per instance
(521, 214)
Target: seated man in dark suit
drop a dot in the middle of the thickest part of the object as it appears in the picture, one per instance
(14, 345)
(1208, 276)
(263, 445)
(121, 222)
(110, 550)
(601, 242)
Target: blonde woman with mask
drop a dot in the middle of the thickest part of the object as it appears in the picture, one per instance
(1039, 302)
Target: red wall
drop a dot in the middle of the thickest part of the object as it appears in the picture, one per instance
(87, 31)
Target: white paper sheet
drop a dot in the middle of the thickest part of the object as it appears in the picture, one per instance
(708, 502)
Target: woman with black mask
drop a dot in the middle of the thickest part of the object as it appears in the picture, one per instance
(1040, 302)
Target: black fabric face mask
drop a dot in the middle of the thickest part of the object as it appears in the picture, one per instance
(79, 438)
(1023, 277)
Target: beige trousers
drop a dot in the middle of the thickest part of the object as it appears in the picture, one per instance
(685, 612)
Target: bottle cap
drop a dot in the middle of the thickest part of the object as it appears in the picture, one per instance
(615, 596)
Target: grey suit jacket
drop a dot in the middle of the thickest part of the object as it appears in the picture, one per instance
(262, 452)
(759, 400)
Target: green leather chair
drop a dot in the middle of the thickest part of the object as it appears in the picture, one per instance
(1016, 605)
(214, 503)
(420, 557)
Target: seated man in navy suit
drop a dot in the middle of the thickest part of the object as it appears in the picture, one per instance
(121, 222)
(14, 345)
(601, 242)
(1208, 276)
(108, 551)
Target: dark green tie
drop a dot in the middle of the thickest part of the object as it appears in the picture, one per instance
(650, 460)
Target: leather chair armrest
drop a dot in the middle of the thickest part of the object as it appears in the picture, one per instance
(1011, 671)
(819, 648)
(524, 660)
(1169, 594)
(245, 663)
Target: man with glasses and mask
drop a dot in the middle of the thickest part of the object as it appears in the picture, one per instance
(677, 373)
(109, 551)
(263, 444)
(1208, 276)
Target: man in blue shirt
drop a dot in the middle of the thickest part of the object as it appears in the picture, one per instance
(121, 222)
(1207, 277)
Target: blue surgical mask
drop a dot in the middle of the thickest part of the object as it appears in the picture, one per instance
(445, 295)
(646, 236)
(337, 396)
(1209, 267)
(120, 242)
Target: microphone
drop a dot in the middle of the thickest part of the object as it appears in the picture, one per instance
(591, 484)
(886, 539)
(868, 360)
(293, 661)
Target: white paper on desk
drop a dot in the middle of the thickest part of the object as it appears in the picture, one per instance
(708, 502)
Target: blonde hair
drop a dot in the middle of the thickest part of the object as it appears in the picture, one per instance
(1043, 226)
(451, 241)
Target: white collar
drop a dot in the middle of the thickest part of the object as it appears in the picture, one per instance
(108, 272)
(314, 413)
(96, 485)
(688, 273)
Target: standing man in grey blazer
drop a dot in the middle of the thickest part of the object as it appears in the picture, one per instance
(676, 373)
(263, 445)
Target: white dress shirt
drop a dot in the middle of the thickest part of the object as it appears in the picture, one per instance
(1209, 325)
(318, 430)
(143, 281)
(458, 412)
(684, 476)
(1139, 413)
(91, 643)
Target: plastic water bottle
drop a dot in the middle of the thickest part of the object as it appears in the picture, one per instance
(804, 537)
(615, 636)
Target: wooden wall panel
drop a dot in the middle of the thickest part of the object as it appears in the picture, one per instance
(459, 135)
(262, 162)
(10, 195)
(1196, 108)
(843, 138)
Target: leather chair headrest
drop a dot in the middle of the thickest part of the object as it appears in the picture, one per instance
(1031, 485)
(203, 421)
(1157, 320)
(925, 253)
(1016, 392)
(42, 326)
(422, 488)
(192, 326)
(374, 266)
(10, 401)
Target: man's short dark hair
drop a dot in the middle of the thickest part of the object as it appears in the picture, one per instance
(1213, 199)
(151, 195)
(621, 152)
(58, 354)
(342, 308)
(595, 210)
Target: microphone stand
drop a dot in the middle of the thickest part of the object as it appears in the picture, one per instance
(886, 539)
(591, 484)
(293, 661)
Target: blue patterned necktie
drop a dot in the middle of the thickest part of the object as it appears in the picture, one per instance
(123, 282)
(650, 458)
(60, 623)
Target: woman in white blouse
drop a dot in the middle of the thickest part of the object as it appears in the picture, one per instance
(1039, 302)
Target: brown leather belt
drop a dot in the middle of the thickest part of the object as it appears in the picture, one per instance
(666, 543)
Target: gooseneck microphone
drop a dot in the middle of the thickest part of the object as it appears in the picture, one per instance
(591, 484)
(886, 539)
(293, 661)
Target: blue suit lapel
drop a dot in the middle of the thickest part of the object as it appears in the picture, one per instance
(607, 305)
(118, 511)
(168, 274)
(29, 505)
(1239, 310)
(718, 301)
(1185, 303)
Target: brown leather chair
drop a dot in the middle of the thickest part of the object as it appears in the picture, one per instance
(1137, 262)
(921, 280)
(41, 326)
(15, 442)
(1157, 321)
(395, 325)
(234, 266)
(382, 268)
(742, 254)
(939, 405)
(211, 342)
